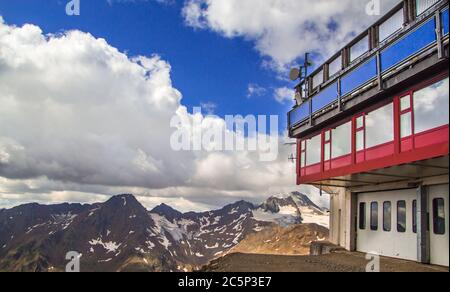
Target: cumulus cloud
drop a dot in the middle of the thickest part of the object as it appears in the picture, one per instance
(254, 89)
(284, 94)
(284, 30)
(81, 121)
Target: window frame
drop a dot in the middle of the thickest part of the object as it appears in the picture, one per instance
(366, 134)
(399, 145)
(303, 148)
(365, 38)
(416, 7)
(327, 142)
(413, 92)
(439, 224)
(358, 130)
(405, 216)
(406, 111)
(385, 229)
(362, 224)
(319, 74)
(306, 163)
(349, 124)
(388, 21)
(337, 58)
(374, 214)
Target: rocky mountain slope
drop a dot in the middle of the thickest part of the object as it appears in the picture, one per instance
(292, 240)
(121, 235)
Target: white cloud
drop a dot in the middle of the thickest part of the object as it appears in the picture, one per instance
(81, 121)
(254, 89)
(284, 94)
(284, 30)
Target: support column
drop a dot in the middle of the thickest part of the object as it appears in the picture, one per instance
(423, 234)
(353, 217)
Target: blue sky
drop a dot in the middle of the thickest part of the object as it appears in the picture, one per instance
(80, 121)
(206, 67)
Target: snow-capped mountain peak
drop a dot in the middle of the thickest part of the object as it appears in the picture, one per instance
(292, 208)
(120, 234)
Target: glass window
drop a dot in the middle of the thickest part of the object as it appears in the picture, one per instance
(406, 125)
(360, 140)
(380, 126)
(359, 49)
(327, 151)
(360, 122)
(439, 216)
(387, 216)
(362, 216)
(327, 136)
(405, 103)
(424, 5)
(342, 140)
(401, 216)
(391, 26)
(374, 216)
(318, 79)
(303, 159)
(313, 150)
(335, 66)
(414, 216)
(431, 107)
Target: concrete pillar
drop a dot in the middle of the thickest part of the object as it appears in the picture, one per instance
(353, 217)
(423, 234)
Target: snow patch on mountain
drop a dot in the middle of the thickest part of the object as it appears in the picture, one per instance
(309, 216)
(108, 246)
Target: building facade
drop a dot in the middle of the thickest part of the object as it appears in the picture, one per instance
(372, 131)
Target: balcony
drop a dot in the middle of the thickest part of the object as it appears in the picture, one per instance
(419, 46)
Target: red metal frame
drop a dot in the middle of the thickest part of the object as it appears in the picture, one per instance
(418, 146)
(406, 143)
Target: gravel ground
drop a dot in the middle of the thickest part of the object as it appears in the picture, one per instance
(336, 262)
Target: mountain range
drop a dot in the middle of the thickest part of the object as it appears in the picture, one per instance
(122, 235)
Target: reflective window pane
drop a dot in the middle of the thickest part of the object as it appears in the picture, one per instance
(387, 216)
(360, 122)
(424, 5)
(335, 66)
(318, 79)
(431, 107)
(303, 159)
(313, 150)
(362, 216)
(374, 216)
(342, 140)
(405, 103)
(401, 216)
(359, 140)
(405, 125)
(380, 126)
(327, 135)
(327, 151)
(359, 49)
(439, 216)
(392, 25)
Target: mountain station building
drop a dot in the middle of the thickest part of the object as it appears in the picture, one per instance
(372, 130)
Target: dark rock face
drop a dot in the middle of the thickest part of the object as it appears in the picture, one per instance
(121, 235)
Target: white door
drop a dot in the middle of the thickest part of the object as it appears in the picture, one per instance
(386, 224)
(439, 208)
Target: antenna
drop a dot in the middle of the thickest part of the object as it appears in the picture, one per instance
(301, 74)
(292, 158)
(294, 74)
